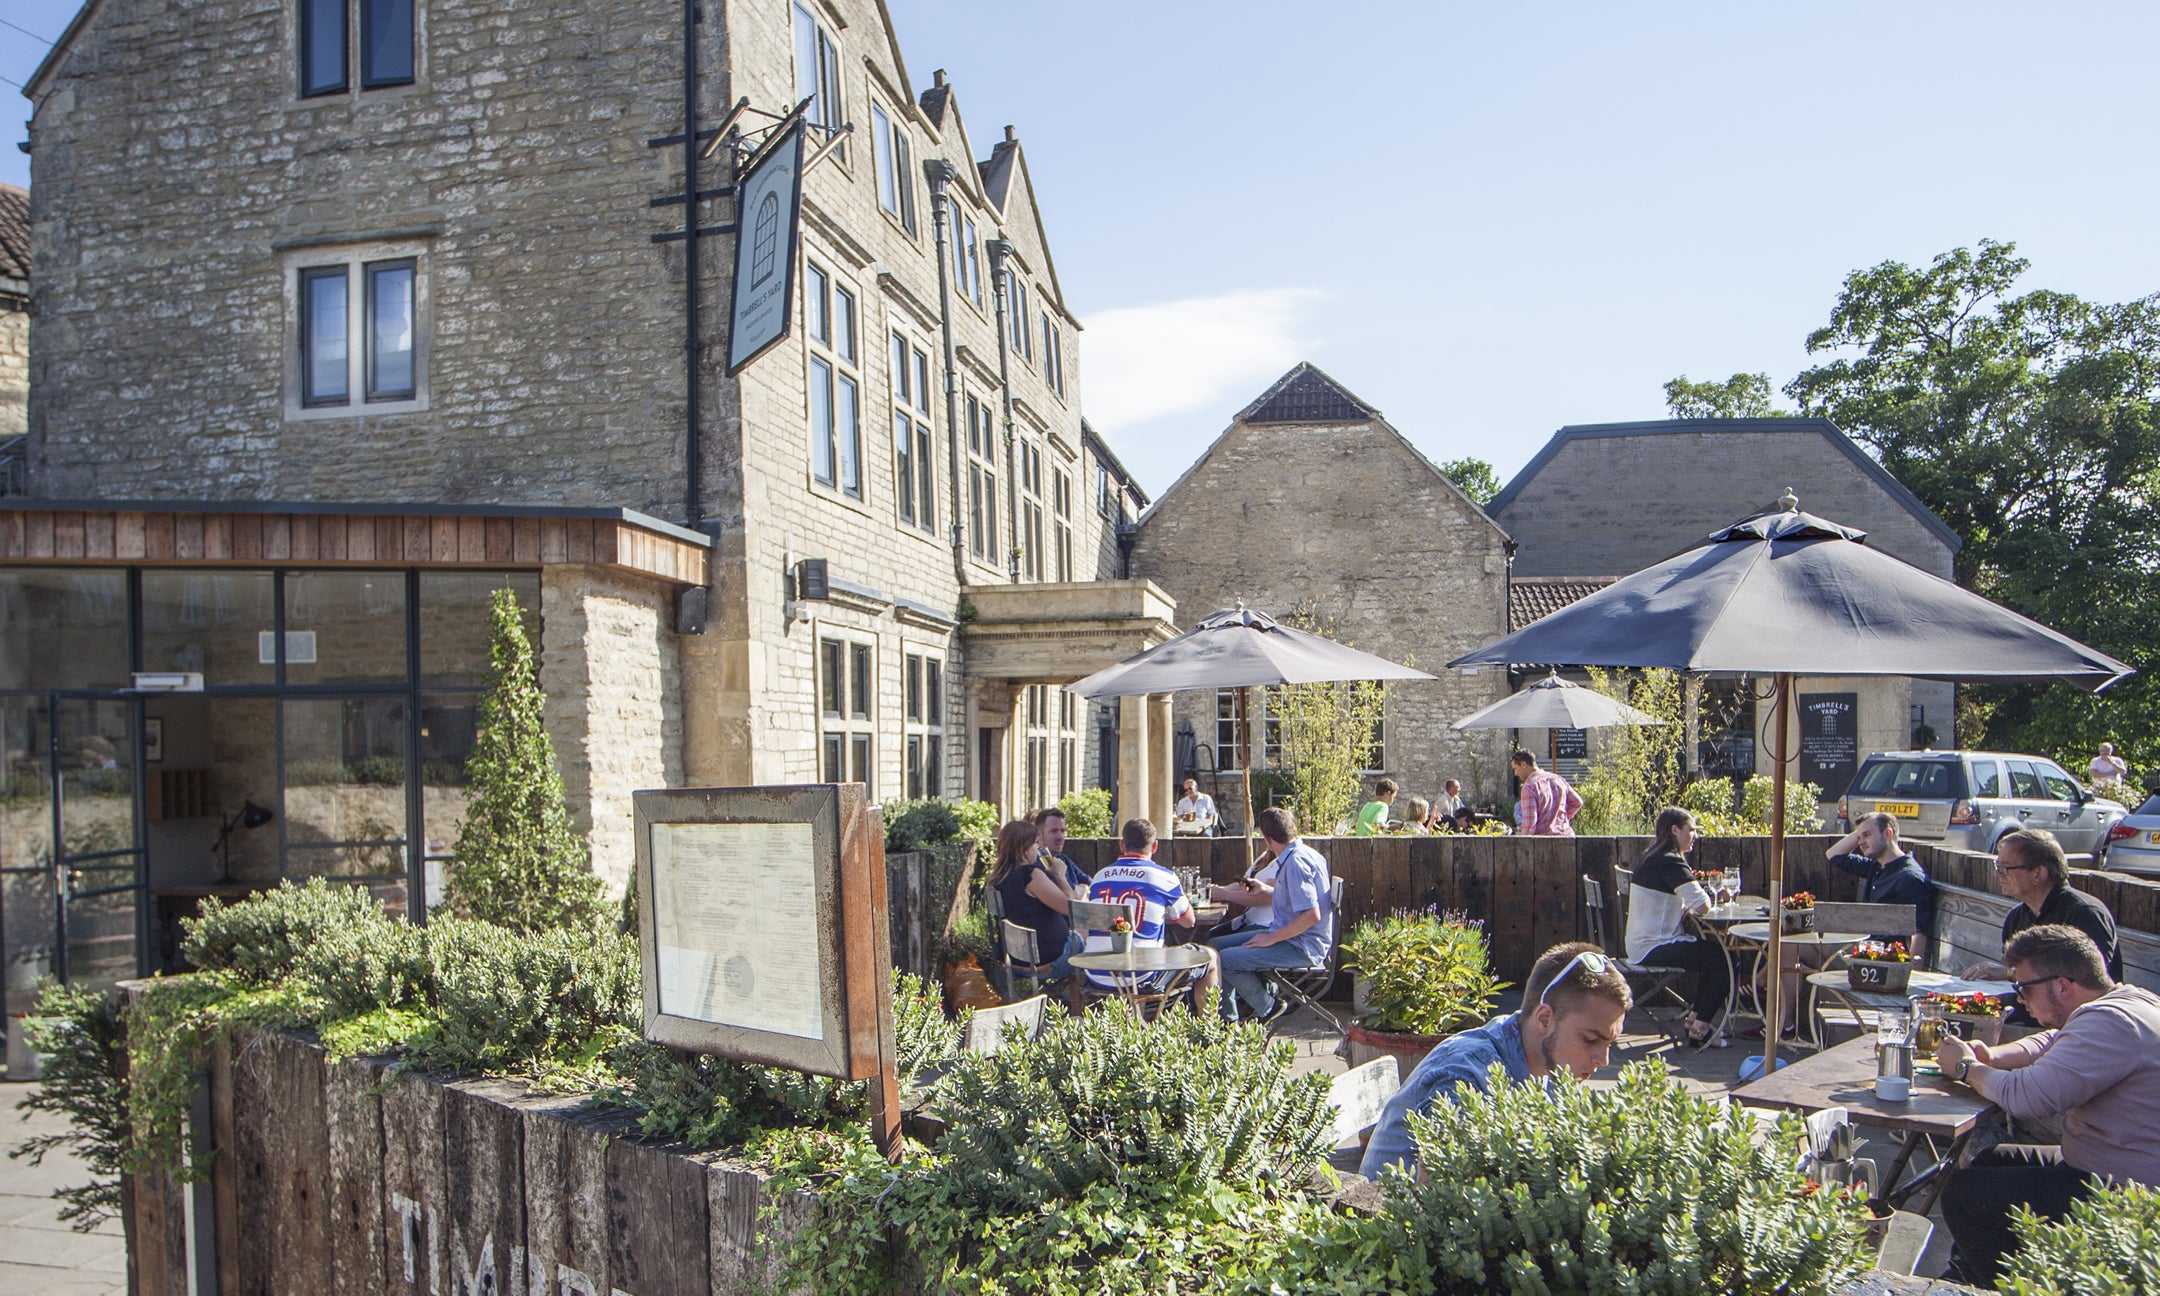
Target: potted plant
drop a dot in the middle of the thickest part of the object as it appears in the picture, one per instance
(1979, 1016)
(1120, 935)
(1422, 977)
(1881, 967)
(1799, 912)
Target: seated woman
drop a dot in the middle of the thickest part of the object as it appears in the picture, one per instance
(1037, 890)
(1665, 892)
(1417, 816)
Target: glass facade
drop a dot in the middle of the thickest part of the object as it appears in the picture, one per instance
(335, 718)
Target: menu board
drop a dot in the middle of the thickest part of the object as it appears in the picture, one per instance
(1829, 741)
(735, 925)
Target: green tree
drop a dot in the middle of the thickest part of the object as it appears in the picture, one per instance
(1639, 769)
(519, 863)
(1744, 395)
(2027, 422)
(1474, 477)
(1329, 734)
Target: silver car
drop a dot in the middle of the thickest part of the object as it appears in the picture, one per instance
(1968, 800)
(2134, 843)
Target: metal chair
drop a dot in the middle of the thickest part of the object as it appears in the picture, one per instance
(1307, 986)
(1022, 960)
(1647, 983)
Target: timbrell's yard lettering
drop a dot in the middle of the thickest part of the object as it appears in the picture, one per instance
(527, 1275)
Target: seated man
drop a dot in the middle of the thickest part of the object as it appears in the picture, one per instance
(1301, 921)
(1153, 896)
(1195, 812)
(2030, 868)
(1891, 876)
(2097, 1066)
(1251, 902)
(1373, 815)
(1573, 1007)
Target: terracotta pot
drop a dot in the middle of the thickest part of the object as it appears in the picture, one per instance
(1363, 1045)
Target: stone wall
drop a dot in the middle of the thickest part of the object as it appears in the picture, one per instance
(1348, 521)
(614, 706)
(14, 369)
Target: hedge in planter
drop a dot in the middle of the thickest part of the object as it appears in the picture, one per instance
(2108, 1245)
(1423, 974)
(1641, 1189)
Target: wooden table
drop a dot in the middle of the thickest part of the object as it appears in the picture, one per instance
(1134, 965)
(1845, 1077)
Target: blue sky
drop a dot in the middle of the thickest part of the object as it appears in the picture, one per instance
(1493, 220)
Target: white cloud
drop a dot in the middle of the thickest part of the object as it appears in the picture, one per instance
(1144, 362)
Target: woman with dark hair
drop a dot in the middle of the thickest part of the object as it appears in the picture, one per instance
(1037, 890)
(1664, 894)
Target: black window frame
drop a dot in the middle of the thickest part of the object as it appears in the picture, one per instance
(309, 17)
(310, 275)
(368, 270)
(368, 11)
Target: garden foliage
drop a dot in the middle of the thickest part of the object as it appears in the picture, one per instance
(1087, 813)
(2108, 1245)
(1424, 974)
(519, 863)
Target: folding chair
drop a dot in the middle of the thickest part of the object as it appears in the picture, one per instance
(988, 1028)
(1022, 960)
(1647, 983)
(1307, 986)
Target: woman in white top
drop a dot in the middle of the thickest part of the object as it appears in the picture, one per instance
(1664, 894)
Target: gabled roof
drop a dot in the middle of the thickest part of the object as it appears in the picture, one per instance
(1306, 395)
(935, 99)
(1006, 166)
(1822, 427)
(35, 86)
(1341, 397)
(14, 239)
(1093, 440)
(1533, 597)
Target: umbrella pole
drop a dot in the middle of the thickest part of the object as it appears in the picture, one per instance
(1774, 1014)
(1245, 770)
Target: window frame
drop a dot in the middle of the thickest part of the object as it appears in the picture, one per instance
(365, 57)
(305, 20)
(828, 92)
(923, 720)
(356, 60)
(914, 433)
(969, 256)
(358, 265)
(893, 158)
(1033, 559)
(1018, 334)
(845, 673)
(1061, 522)
(1053, 365)
(832, 344)
(982, 479)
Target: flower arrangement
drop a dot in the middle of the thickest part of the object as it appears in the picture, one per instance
(1972, 1005)
(1121, 924)
(1800, 900)
(1874, 951)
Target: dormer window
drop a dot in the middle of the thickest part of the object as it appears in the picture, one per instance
(329, 33)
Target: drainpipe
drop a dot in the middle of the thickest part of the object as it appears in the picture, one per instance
(999, 250)
(942, 174)
(693, 457)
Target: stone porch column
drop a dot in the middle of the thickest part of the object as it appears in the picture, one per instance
(1133, 751)
(1162, 758)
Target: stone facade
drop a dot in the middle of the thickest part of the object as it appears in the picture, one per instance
(1317, 503)
(516, 174)
(1600, 500)
(14, 313)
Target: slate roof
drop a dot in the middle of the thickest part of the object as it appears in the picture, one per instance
(1531, 598)
(1306, 395)
(935, 99)
(997, 172)
(14, 239)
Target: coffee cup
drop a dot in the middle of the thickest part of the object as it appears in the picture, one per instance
(1893, 1088)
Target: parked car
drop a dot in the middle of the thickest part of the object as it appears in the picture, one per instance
(2134, 842)
(1968, 800)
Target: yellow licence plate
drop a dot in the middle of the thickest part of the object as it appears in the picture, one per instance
(2153, 837)
(1908, 809)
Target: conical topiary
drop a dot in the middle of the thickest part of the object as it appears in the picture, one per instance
(518, 861)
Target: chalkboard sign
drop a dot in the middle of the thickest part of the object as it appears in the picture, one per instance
(1829, 741)
(1570, 744)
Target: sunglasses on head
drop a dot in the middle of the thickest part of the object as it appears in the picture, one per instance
(1598, 964)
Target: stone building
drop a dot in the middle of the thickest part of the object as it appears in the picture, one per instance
(1311, 502)
(14, 332)
(1606, 499)
(345, 314)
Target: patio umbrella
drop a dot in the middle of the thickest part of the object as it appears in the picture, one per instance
(1555, 703)
(1239, 649)
(1788, 593)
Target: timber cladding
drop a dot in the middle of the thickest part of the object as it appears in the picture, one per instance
(358, 1179)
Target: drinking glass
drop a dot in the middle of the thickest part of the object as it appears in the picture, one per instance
(1928, 1026)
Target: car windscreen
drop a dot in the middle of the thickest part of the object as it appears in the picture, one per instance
(1929, 780)
(2151, 806)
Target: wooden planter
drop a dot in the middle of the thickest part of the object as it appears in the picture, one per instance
(1364, 1045)
(1973, 1026)
(1798, 920)
(1878, 976)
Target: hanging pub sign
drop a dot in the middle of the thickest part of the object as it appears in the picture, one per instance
(759, 925)
(768, 208)
(1829, 741)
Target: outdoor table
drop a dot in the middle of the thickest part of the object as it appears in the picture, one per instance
(1836, 985)
(1757, 934)
(1845, 1077)
(1722, 922)
(1204, 919)
(1136, 963)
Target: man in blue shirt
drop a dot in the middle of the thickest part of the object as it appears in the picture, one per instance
(1891, 876)
(1574, 1004)
(1301, 921)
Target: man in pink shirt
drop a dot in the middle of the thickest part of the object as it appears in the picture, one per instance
(2097, 1066)
(1546, 801)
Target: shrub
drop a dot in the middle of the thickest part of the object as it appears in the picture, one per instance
(919, 825)
(543, 999)
(969, 938)
(1708, 797)
(518, 862)
(1801, 801)
(1087, 813)
(262, 940)
(1641, 1188)
(1424, 974)
(2108, 1245)
(83, 1079)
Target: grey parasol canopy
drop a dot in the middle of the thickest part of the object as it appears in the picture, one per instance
(1555, 703)
(1238, 648)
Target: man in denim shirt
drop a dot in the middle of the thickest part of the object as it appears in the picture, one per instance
(1573, 1006)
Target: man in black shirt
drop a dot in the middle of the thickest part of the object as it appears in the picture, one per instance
(2031, 869)
(1893, 876)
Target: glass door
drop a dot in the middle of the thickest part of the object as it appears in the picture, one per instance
(96, 753)
(29, 903)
